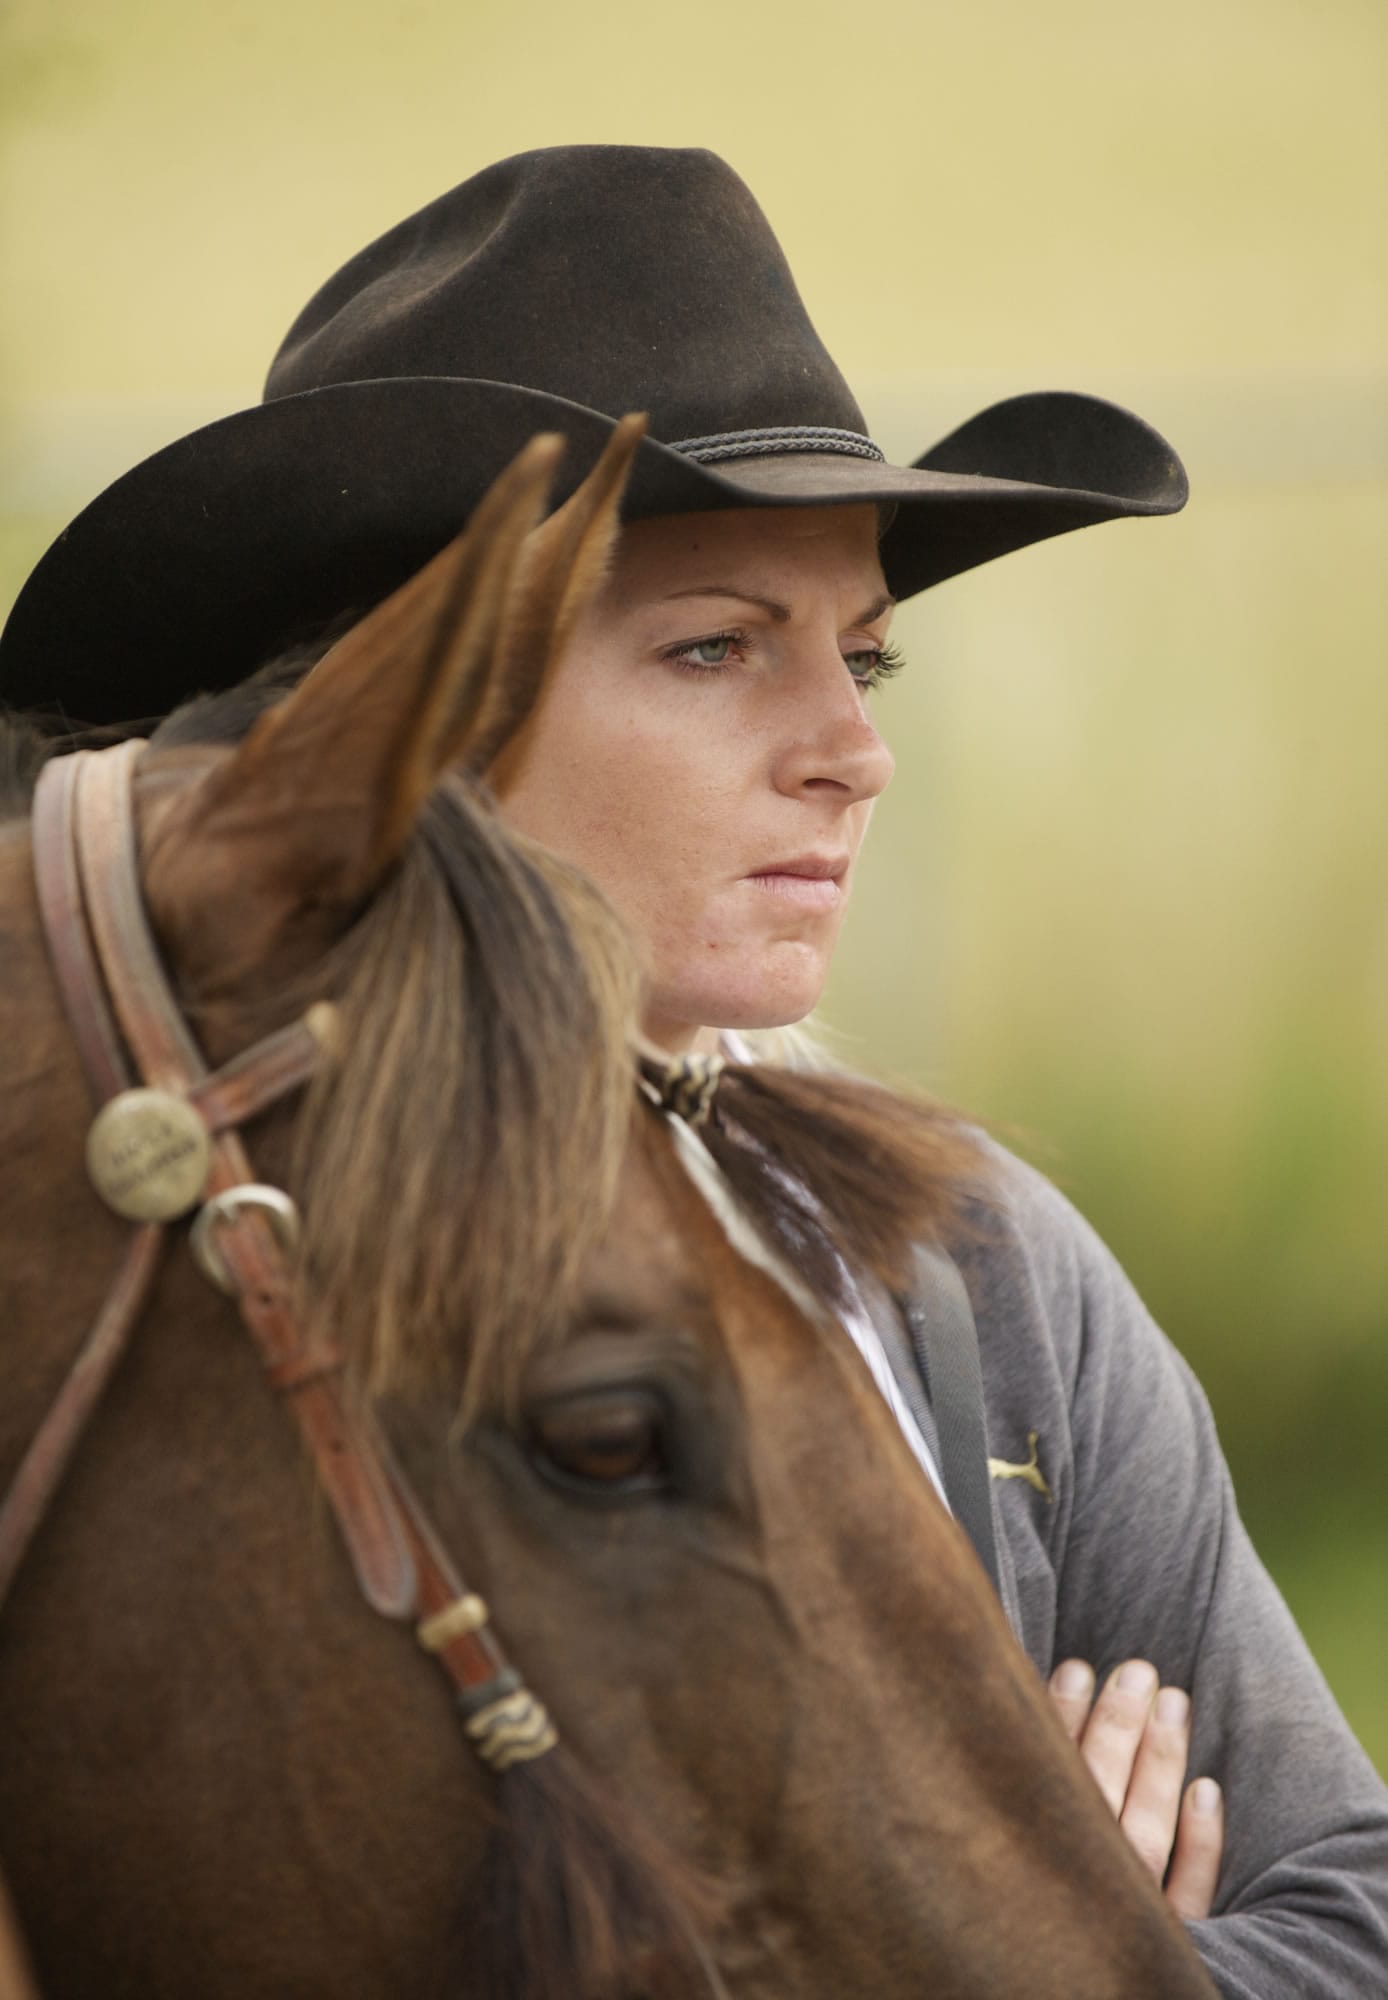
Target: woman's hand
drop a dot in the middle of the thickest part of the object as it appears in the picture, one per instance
(1135, 1739)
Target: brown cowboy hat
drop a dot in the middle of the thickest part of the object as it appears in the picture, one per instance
(553, 291)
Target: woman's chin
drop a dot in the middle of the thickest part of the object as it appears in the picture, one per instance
(756, 995)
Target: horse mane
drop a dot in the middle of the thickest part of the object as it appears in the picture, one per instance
(460, 1165)
(844, 1176)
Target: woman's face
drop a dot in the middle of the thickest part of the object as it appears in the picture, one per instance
(705, 751)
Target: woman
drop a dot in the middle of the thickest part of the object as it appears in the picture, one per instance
(707, 750)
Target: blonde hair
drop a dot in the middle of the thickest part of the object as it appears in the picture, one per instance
(802, 1045)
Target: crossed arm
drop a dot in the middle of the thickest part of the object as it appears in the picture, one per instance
(1135, 1552)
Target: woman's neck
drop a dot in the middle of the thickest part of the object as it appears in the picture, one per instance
(678, 1038)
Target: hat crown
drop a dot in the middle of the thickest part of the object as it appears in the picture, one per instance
(617, 277)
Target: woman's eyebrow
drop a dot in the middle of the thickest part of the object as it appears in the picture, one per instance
(879, 605)
(780, 612)
(773, 608)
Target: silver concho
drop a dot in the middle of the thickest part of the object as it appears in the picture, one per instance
(148, 1153)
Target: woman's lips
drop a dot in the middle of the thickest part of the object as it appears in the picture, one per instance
(814, 883)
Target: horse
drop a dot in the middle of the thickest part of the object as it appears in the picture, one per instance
(780, 1740)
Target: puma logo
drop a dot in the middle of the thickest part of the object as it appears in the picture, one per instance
(1000, 1468)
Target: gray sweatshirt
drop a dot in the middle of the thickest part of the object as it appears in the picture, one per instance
(1141, 1553)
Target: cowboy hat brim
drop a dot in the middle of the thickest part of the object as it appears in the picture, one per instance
(221, 550)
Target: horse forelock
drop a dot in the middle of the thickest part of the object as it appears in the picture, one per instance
(460, 1165)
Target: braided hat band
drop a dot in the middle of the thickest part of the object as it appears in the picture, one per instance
(774, 439)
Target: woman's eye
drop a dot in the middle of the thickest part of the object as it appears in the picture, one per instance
(872, 665)
(720, 649)
(611, 1445)
(711, 652)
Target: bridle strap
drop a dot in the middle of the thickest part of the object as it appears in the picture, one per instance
(251, 1083)
(166, 1056)
(113, 973)
(42, 1469)
(244, 1087)
(61, 905)
(109, 971)
(59, 887)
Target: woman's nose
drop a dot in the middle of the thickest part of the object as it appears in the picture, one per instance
(831, 744)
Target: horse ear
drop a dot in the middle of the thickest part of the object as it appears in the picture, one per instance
(317, 803)
(559, 570)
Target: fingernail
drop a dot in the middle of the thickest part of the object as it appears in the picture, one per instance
(1073, 1678)
(1137, 1677)
(1204, 1796)
(1173, 1705)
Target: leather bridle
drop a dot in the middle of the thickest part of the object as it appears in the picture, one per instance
(162, 1119)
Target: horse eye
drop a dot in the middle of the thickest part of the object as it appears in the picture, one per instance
(608, 1442)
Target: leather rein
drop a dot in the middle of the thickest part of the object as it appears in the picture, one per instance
(166, 1142)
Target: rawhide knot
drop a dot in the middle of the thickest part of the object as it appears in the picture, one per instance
(515, 1729)
(683, 1085)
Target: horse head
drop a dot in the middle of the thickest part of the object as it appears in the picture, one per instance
(798, 1752)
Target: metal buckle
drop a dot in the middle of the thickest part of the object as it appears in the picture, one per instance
(275, 1205)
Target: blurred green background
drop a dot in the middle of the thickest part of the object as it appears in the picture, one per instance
(1128, 897)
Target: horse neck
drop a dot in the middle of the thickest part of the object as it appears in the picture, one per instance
(891, 1731)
